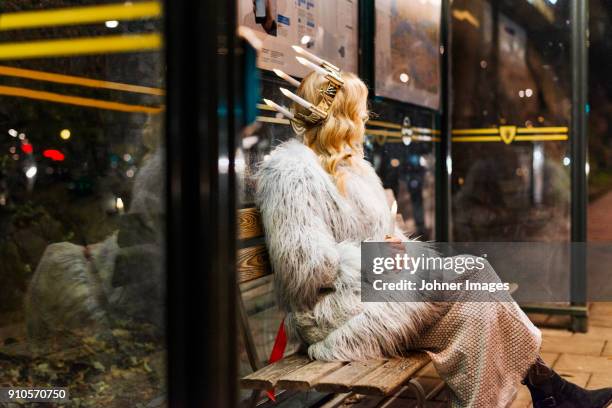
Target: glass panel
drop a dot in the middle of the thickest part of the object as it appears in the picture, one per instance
(401, 144)
(260, 303)
(82, 200)
(600, 121)
(328, 29)
(406, 165)
(401, 137)
(407, 53)
(511, 112)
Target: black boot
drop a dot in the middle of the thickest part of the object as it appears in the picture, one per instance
(549, 390)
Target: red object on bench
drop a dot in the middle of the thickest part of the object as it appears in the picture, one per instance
(278, 351)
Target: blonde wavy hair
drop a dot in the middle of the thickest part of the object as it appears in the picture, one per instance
(338, 141)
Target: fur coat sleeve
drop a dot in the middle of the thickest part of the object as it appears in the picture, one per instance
(293, 195)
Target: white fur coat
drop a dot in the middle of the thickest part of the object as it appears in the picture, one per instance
(313, 236)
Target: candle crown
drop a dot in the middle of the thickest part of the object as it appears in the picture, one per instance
(316, 113)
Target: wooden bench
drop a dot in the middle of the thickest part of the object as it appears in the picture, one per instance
(385, 377)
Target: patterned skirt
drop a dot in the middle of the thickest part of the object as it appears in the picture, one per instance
(482, 349)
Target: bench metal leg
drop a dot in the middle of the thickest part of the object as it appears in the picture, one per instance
(580, 324)
(418, 390)
(413, 385)
(436, 390)
(337, 400)
(385, 402)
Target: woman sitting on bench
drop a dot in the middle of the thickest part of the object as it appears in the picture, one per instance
(319, 199)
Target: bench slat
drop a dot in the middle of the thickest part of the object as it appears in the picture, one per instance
(391, 375)
(252, 263)
(304, 378)
(249, 223)
(340, 381)
(267, 377)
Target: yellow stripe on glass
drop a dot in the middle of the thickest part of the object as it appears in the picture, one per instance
(413, 138)
(518, 138)
(79, 15)
(379, 132)
(426, 130)
(482, 131)
(477, 139)
(509, 134)
(419, 134)
(381, 123)
(76, 80)
(556, 129)
(540, 138)
(80, 46)
(519, 130)
(376, 123)
(77, 100)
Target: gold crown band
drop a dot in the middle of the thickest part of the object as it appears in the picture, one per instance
(328, 93)
(319, 112)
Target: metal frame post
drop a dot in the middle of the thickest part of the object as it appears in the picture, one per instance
(201, 123)
(444, 148)
(578, 151)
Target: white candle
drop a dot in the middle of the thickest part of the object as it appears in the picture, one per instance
(280, 109)
(307, 54)
(286, 77)
(393, 217)
(296, 98)
(315, 59)
(312, 66)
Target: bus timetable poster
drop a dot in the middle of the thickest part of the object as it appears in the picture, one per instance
(326, 28)
(407, 53)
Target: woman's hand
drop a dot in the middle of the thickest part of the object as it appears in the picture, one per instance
(395, 242)
(396, 246)
(392, 239)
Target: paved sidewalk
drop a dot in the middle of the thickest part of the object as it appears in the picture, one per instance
(585, 359)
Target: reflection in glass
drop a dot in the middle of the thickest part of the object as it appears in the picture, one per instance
(511, 115)
(82, 207)
(406, 168)
(600, 121)
(258, 298)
